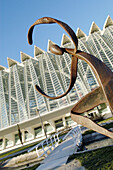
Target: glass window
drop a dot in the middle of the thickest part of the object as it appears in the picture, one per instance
(48, 127)
(1, 142)
(38, 131)
(69, 121)
(8, 143)
(17, 140)
(59, 123)
(27, 135)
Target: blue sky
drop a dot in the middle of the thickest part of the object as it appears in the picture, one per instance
(16, 16)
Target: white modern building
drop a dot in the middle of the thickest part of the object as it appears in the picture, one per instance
(21, 104)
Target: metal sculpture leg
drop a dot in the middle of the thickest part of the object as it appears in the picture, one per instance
(89, 101)
(94, 98)
(86, 122)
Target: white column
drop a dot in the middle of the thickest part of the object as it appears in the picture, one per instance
(31, 130)
(52, 124)
(23, 136)
(64, 121)
(4, 144)
(13, 139)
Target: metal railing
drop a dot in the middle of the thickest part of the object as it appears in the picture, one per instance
(46, 146)
(76, 135)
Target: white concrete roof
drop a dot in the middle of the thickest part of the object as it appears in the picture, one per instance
(108, 22)
(2, 67)
(65, 39)
(11, 62)
(93, 28)
(80, 33)
(24, 56)
(38, 51)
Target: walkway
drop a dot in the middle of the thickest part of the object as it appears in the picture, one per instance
(59, 155)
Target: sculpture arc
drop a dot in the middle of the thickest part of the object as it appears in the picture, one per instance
(48, 20)
(72, 81)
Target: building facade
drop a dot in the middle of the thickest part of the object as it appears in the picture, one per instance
(21, 104)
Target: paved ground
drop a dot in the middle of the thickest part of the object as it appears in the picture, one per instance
(73, 165)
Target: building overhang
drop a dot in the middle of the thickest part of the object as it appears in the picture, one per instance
(52, 115)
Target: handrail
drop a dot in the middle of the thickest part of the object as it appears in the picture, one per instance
(76, 135)
(51, 142)
(46, 145)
